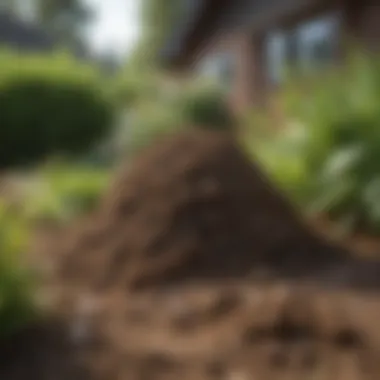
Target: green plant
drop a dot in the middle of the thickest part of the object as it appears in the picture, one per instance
(281, 158)
(17, 284)
(151, 121)
(331, 144)
(49, 105)
(204, 105)
(65, 191)
(169, 108)
(133, 85)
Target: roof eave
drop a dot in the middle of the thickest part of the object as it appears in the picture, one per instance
(175, 48)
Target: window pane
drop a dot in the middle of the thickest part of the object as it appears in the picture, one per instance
(309, 46)
(276, 56)
(318, 42)
(219, 67)
(292, 48)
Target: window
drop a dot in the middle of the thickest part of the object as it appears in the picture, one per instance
(219, 67)
(318, 42)
(276, 53)
(306, 47)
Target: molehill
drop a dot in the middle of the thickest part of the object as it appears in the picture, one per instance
(192, 208)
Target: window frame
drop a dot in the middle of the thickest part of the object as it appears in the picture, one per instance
(296, 32)
(219, 66)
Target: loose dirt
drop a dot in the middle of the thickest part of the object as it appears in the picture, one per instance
(192, 208)
(190, 225)
(234, 331)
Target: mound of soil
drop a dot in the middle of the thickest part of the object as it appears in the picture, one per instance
(192, 207)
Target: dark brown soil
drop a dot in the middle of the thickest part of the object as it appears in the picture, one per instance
(240, 330)
(192, 207)
(193, 214)
(41, 352)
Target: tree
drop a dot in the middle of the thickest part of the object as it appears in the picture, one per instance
(8, 5)
(157, 18)
(66, 19)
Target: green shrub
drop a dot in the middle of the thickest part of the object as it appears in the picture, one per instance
(132, 85)
(49, 105)
(328, 156)
(149, 122)
(65, 191)
(204, 105)
(17, 285)
(280, 157)
(168, 109)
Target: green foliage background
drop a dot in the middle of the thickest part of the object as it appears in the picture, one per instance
(49, 105)
(327, 156)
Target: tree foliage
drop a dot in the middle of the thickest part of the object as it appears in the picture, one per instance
(65, 19)
(157, 18)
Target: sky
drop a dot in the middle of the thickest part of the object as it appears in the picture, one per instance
(116, 27)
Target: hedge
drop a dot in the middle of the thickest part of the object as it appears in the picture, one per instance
(49, 105)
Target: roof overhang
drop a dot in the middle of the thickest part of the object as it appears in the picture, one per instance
(203, 18)
(191, 30)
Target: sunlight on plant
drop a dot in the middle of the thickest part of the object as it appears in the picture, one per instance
(65, 191)
(17, 284)
(327, 157)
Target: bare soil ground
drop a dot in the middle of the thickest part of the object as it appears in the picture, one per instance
(232, 331)
(165, 281)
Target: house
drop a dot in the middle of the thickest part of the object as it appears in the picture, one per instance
(247, 43)
(22, 35)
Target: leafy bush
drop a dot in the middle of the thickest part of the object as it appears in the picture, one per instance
(280, 157)
(204, 105)
(65, 191)
(17, 286)
(49, 105)
(328, 155)
(132, 85)
(167, 107)
(150, 121)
